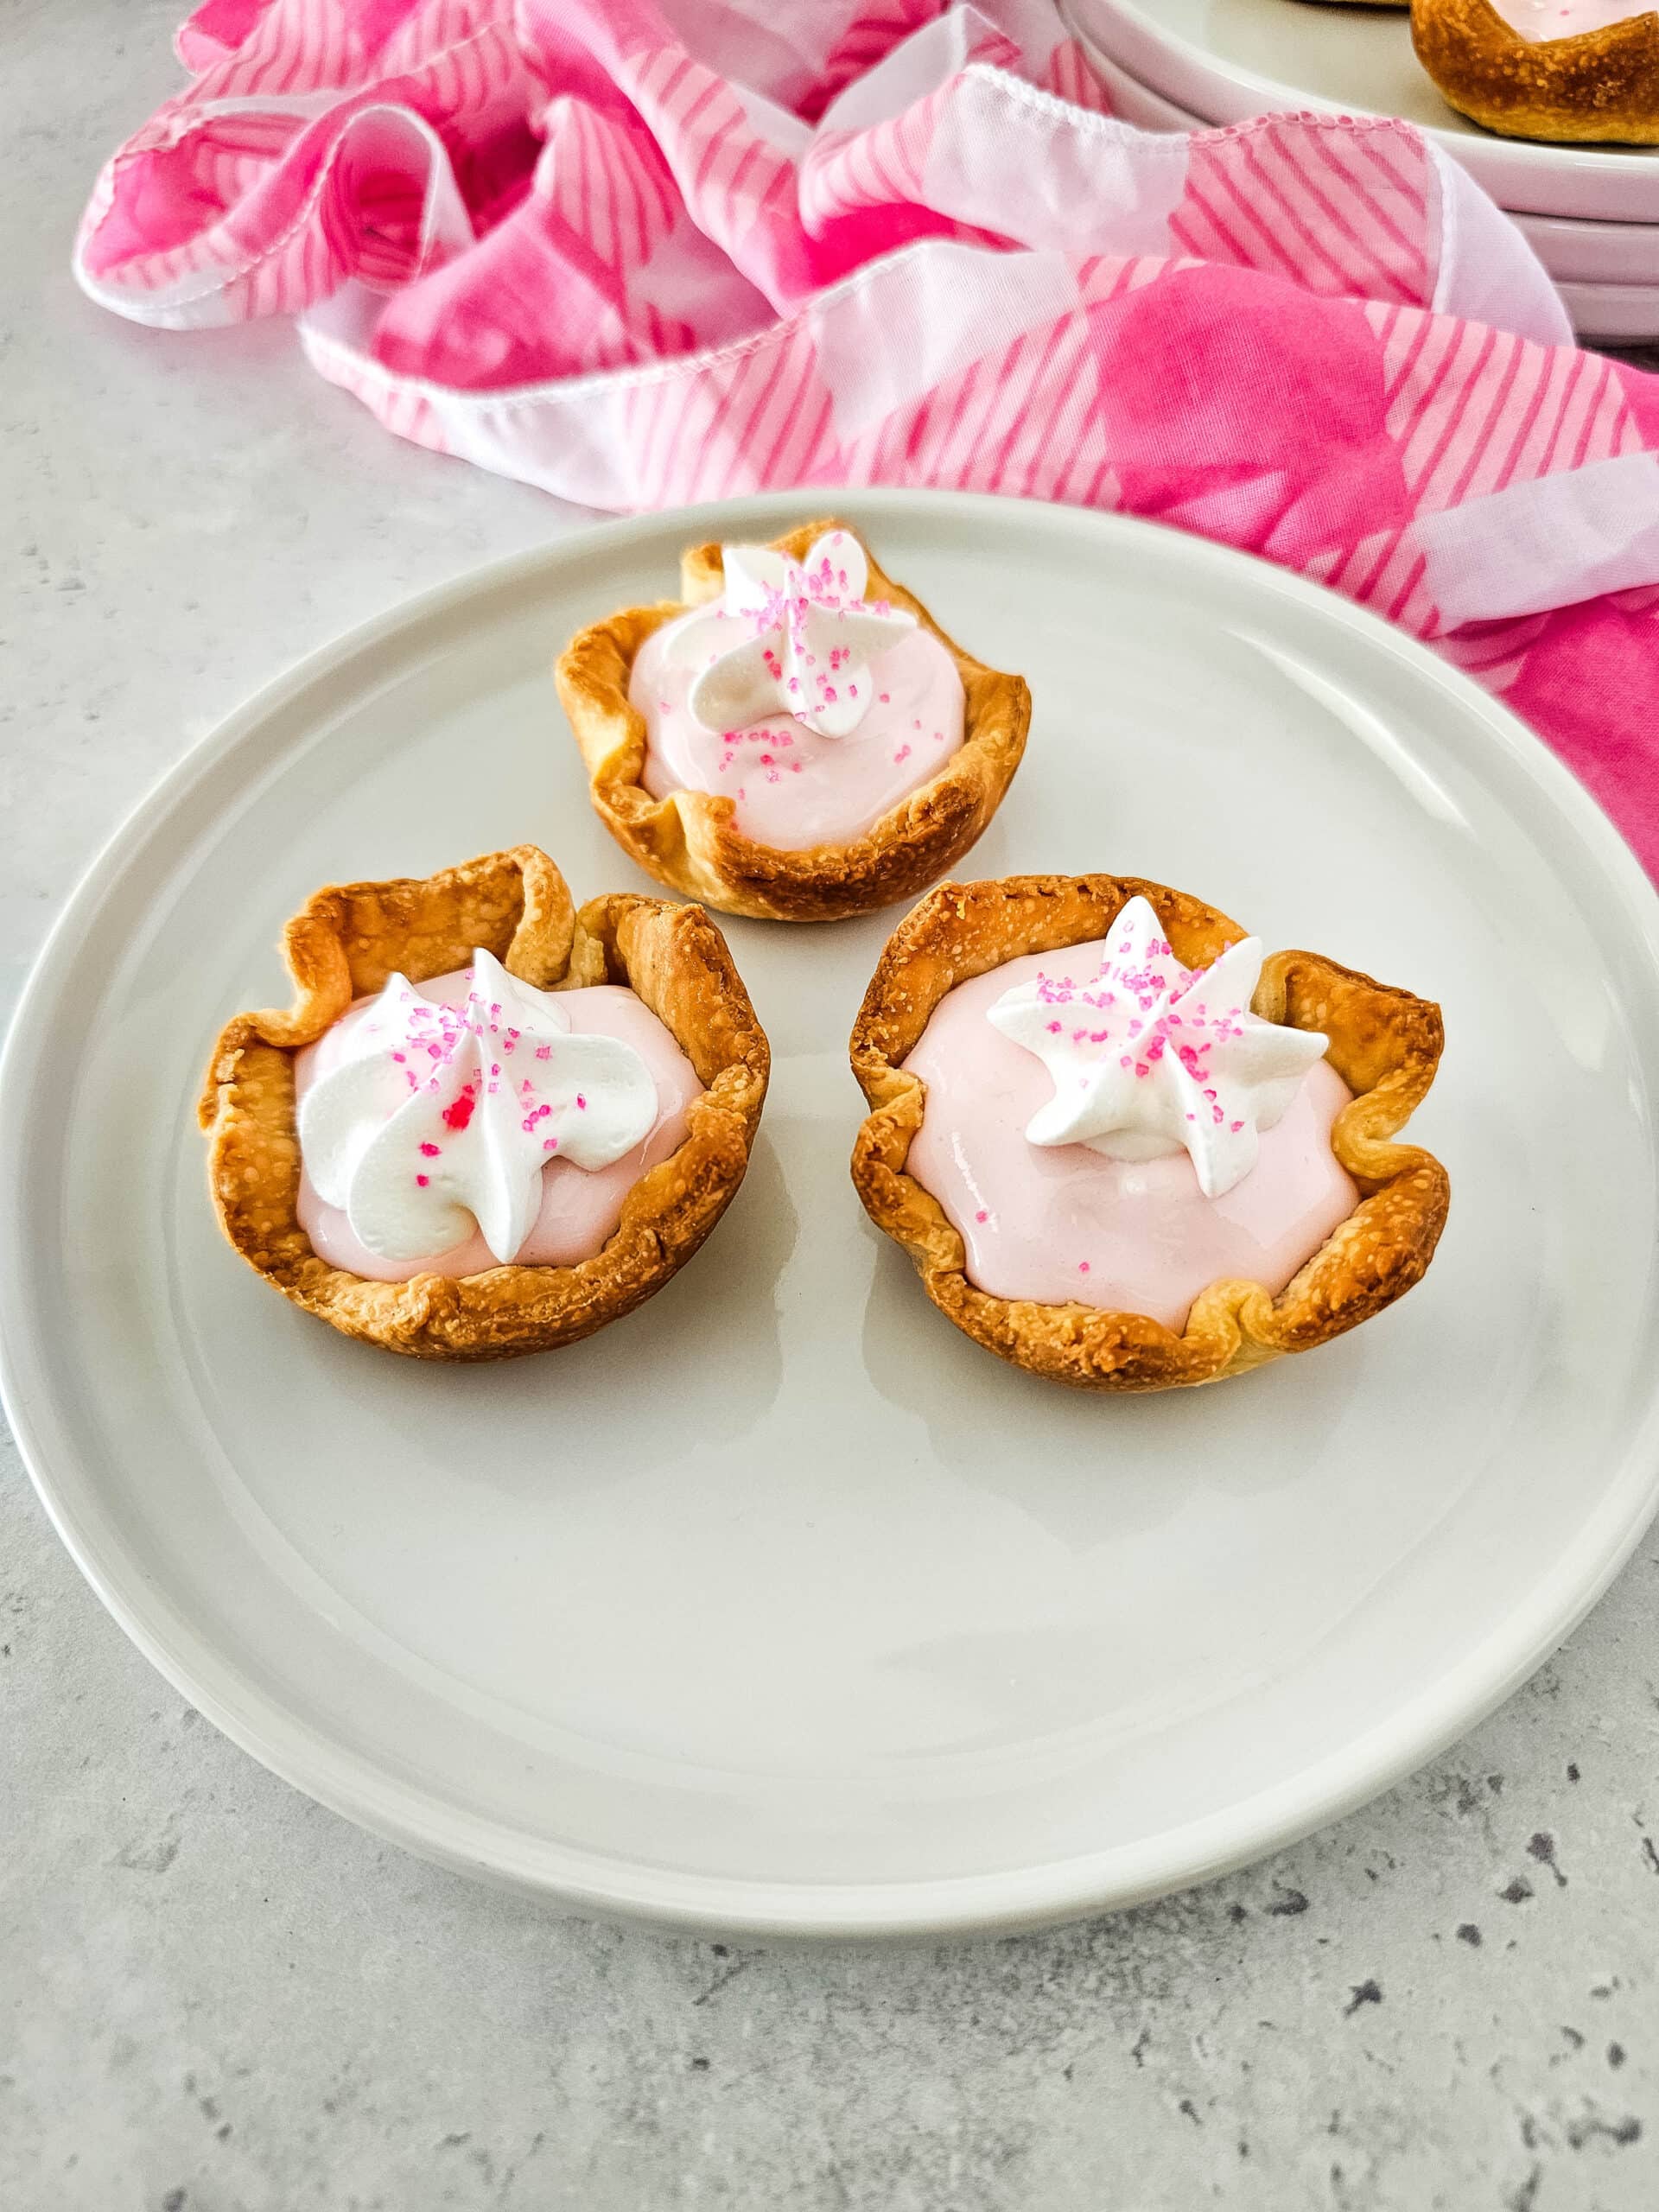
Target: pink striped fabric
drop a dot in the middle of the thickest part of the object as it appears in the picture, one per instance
(647, 252)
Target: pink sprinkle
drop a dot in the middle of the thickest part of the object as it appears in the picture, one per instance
(982, 1215)
(1083, 1267)
(884, 698)
(1236, 1127)
(428, 1152)
(423, 1181)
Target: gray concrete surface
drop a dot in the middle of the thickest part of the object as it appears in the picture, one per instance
(216, 1998)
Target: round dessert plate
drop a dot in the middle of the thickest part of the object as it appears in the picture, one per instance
(781, 1606)
(1575, 251)
(1230, 59)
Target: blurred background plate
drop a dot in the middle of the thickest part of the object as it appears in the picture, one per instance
(1229, 60)
(1584, 258)
(1613, 314)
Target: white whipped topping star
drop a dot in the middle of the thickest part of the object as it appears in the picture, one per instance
(1149, 1058)
(442, 1116)
(793, 634)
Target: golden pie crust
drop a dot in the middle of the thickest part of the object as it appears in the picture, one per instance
(1385, 1045)
(1597, 85)
(688, 839)
(342, 947)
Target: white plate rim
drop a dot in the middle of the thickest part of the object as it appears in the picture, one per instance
(1610, 313)
(982, 1903)
(1170, 63)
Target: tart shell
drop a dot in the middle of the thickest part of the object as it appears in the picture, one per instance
(1596, 87)
(343, 947)
(1385, 1045)
(688, 839)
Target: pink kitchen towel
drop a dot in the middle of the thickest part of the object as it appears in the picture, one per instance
(641, 253)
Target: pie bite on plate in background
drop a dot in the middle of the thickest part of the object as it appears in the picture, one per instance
(1568, 71)
(1126, 1150)
(490, 1123)
(795, 738)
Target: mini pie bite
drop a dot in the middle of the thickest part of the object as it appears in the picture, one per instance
(553, 1049)
(1567, 71)
(795, 738)
(1135, 1057)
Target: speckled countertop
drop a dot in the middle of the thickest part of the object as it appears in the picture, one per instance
(215, 1997)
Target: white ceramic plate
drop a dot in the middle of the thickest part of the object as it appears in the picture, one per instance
(1622, 314)
(1576, 252)
(782, 1606)
(1622, 254)
(1228, 59)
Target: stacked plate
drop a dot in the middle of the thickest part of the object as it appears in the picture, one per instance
(1592, 213)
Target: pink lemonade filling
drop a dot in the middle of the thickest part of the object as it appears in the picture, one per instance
(791, 787)
(580, 1208)
(1537, 20)
(1062, 1223)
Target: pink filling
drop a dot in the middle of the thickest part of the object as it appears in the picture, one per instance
(1065, 1223)
(580, 1208)
(793, 788)
(1537, 20)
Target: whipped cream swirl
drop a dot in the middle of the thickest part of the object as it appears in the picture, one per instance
(1149, 1058)
(795, 635)
(443, 1117)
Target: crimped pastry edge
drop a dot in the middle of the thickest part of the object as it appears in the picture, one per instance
(687, 840)
(1385, 1043)
(1593, 87)
(341, 946)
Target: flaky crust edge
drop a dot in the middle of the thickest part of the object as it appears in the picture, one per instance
(344, 944)
(1596, 86)
(1385, 1043)
(688, 841)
